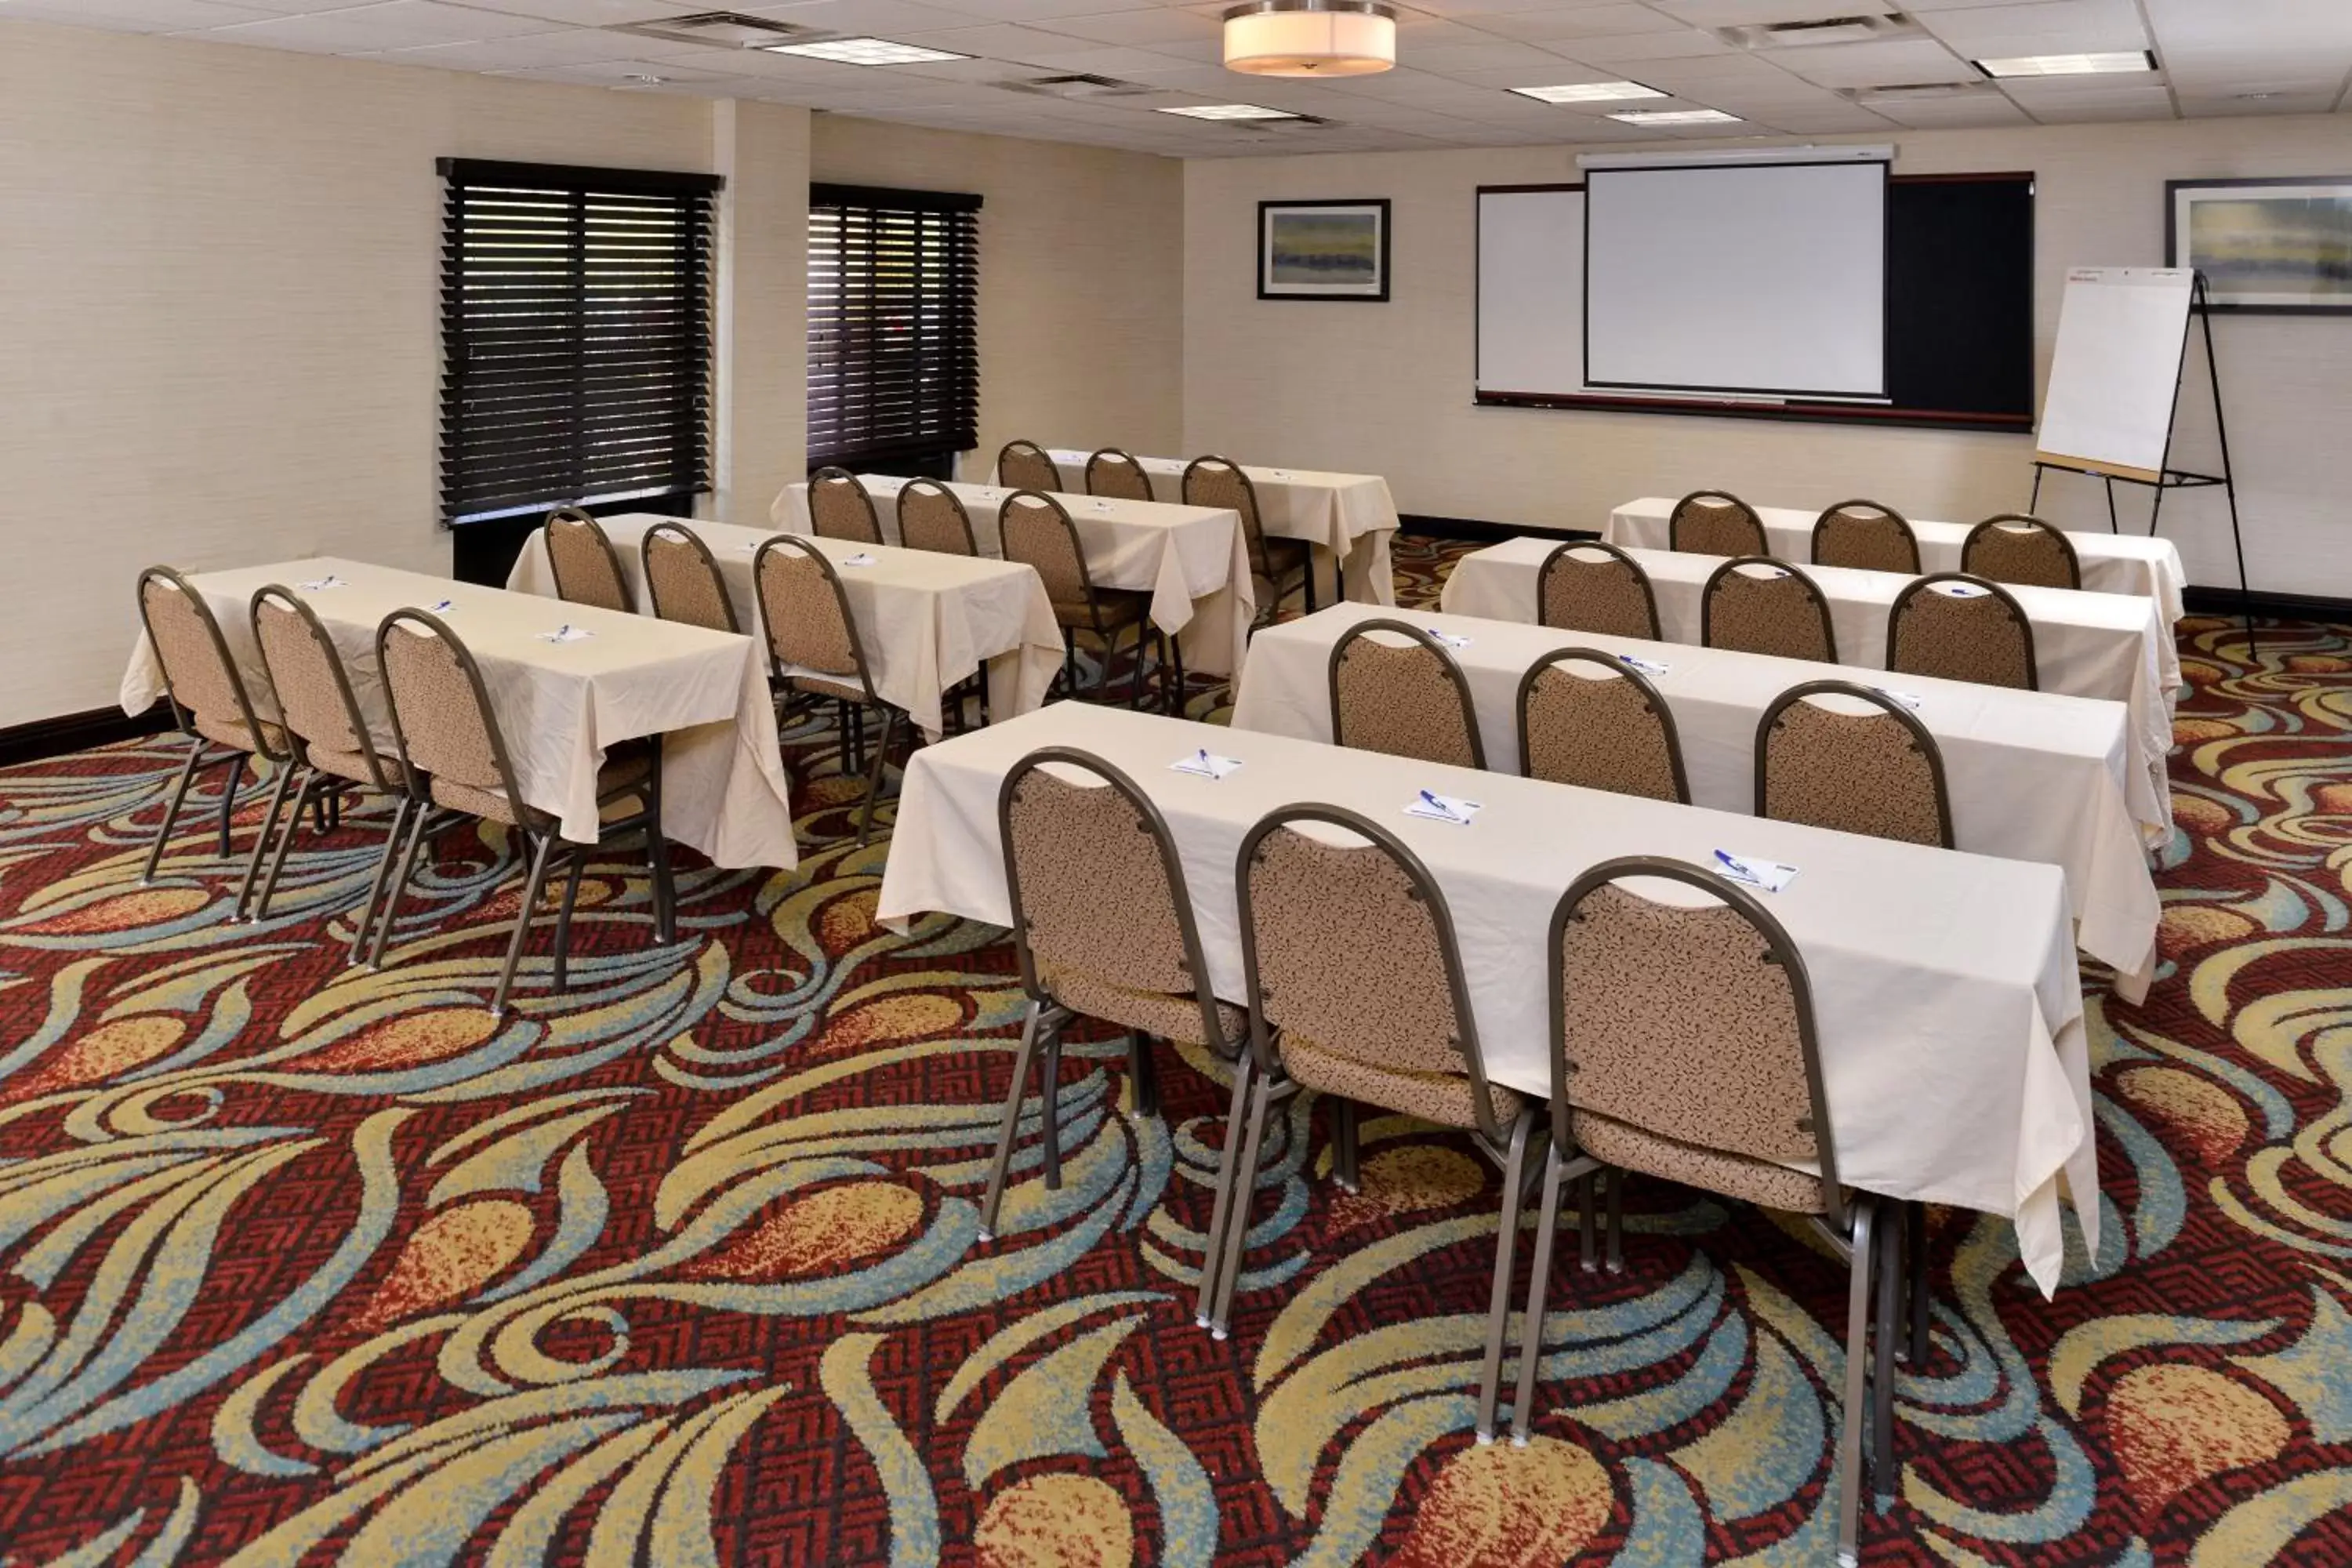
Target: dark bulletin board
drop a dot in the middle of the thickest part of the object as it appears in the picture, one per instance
(1959, 295)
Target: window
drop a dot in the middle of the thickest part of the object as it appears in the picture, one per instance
(893, 308)
(576, 337)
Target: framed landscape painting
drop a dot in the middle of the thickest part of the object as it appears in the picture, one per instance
(1323, 250)
(2281, 245)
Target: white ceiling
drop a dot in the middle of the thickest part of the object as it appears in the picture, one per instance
(1457, 61)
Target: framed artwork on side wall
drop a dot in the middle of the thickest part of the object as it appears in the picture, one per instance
(2281, 245)
(1323, 250)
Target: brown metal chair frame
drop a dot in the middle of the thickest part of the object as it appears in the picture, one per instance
(1674, 517)
(1266, 547)
(1026, 448)
(1920, 739)
(2074, 559)
(839, 476)
(1565, 553)
(685, 535)
(971, 544)
(1814, 595)
(554, 567)
(1622, 671)
(1904, 523)
(1171, 657)
(1926, 585)
(851, 715)
(1359, 632)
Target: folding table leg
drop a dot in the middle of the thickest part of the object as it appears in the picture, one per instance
(228, 796)
(563, 922)
(1915, 1252)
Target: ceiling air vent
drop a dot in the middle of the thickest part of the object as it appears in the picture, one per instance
(1818, 31)
(717, 30)
(1078, 88)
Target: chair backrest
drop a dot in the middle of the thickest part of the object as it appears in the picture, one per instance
(1111, 472)
(1877, 771)
(1219, 481)
(1962, 629)
(1715, 523)
(839, 508)
(1586, 586)
(1406, 698)
(1350, 945)
(682, 580)
(1096, 885)
(442, 720)
(1026, 466)
(2016, 548)
(1865, 535)
(587, 569)
(1758, 604)
(806, 611)
(1691, 1021)
(931, 517)
(1589, 719)
(201, 678)
(1037, 533)
(315, 703)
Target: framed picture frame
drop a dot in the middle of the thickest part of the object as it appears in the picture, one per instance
(2271, 247)
(1323, 250)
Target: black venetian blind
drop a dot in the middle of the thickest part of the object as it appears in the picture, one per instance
(575, 327)
(893, 306)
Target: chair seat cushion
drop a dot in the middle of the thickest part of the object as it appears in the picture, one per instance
(1120, 608)
(1442, 1097)
(231, 732)
(825, 685)
(1632, 1148)
(1158, 1013)
(352, 767)
(489, 805)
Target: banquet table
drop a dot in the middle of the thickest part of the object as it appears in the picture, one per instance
(2111, 562)
(559, 704)
(1191, 560)
(1348, 516)
(1949, 1005)
(2032, 776)
(2109, 645)
(927, 620)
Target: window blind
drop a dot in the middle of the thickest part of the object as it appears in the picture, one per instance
(575, 326)
(893, 311)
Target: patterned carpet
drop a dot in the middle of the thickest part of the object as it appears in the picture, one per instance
(306, 1265)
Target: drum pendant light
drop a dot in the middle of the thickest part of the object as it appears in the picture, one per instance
(1310, 38)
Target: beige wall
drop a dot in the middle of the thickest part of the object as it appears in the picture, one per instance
(1081, 277)
(1387, 388)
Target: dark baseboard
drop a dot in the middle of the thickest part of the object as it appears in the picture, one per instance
(2278, 606)
(79, 733)
(1482, 533)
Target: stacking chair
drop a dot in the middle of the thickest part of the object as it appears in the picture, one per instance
(1408, 700)
(839, 508)
(1878, 772)
(1280, 565)
(1103, 927)
(814, 650)
(1684, 1047)
(683, 581)
(1037, 532)
(1588, 718)
(1758, 604)
(1024, 465)
(931, 517)
(1715, 523)
(211, 706)
(1356, 991)
(456, 764)
(1111, 472)
(587, 568)
(1961, 628)
(2026, 550)
(1865, 535)
(1586, 586)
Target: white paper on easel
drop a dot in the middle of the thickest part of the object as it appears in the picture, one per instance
(2116, 370)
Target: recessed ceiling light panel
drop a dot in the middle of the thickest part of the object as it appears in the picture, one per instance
(1589, 92)
(2120, 63)
(1675, 117)
(1230, 111)
(865, 52)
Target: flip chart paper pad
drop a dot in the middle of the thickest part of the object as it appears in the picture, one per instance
(2116, 371)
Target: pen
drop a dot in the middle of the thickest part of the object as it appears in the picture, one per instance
(1736, 866)
(1439, 806)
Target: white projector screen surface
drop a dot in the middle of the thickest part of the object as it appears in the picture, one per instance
(1531, 291)
(1758, 278)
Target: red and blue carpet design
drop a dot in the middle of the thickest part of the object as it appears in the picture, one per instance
(304, 1265)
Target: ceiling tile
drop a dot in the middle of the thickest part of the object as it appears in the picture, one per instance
(578, 13)
(1036, 10)
(1634, 48)
(1876, 64)
(133, 16)
(395, 23)
(1155, 25)
(1582, 22)
(574, 46)
(1766, 13)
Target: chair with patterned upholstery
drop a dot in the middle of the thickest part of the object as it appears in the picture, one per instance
(1877, 770)
(211, 706)
(1356, 991)
(841, 508)
(1395, 689)
(1111, 472)
(1684, 1047)
(1757, 604)
(1586, 586)
(1961, 628)
(587, 568)
(1866, 535)
(458, 769)
(814, 652)
(1715, 523)
(2022, 550)
(1276, 565)
(682, 580)
(1103, 928)
(931, 517)
(1587, 717)
(1026, 466)
(1039, 533)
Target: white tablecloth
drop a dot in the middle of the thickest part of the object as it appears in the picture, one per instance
(1350, 516)
(560, 705)
(2112, 563)
(1950, 1008)
(926, 620)
(2032, 775)
(1191, 560)
(2109, 645)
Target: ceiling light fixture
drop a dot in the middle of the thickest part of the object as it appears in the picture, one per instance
(1675, 117)
(1589, 92)
(2121, 62)
(865, 52)
(1230, 111)
(1310, 38)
